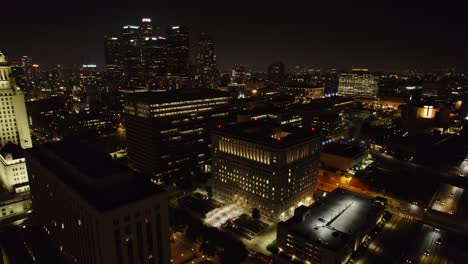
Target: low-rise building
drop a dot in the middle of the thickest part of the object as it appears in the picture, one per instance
(330, 230)
(342, 155)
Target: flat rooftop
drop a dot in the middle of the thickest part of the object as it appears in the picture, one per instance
(343, 149)
(334, 220)
(103, 182)
(268, 133)
(175, 95)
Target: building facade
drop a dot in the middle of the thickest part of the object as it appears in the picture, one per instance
(167, 131)
(265, 166)
(94, 209)
(358, 83)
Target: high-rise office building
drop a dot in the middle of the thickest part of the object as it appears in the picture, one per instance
(131, 54)
(94, 209)
(154, 54)
(276, 72)
(114, 61)
(265, 165)
(358, 83)
(206, 75)
(168, 131)
(178, 56)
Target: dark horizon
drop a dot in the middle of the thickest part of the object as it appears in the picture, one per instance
(380, 37)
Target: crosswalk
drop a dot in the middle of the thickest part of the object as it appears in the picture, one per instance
(406, 216)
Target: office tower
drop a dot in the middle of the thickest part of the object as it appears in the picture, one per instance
(330, 230)
(154, 53)
(27, 65)
(265, 165)
(131, 54)
(146, 29)
(358, 83)
(94, 209)
(206, 75)
(276, 72)
(168, 131)
(178, 55)
(13, 118)
(114, 61)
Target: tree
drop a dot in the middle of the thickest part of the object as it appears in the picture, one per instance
(209, 192)
(255, 213)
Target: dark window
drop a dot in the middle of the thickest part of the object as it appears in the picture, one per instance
(140, 241)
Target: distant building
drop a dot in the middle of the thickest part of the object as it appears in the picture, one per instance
(265, 165)
(358, 83)
(304, 93)
(330, 230)
(207, 74)
(167, 131)
(131, 56)
(419, 116)
(114, 61)
(276, 72)
(178, 56)
(96, 210)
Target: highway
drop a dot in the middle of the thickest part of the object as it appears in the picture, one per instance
(446, 199)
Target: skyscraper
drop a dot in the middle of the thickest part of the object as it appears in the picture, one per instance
(13, 118)
(206, 75)
(131, 54)
(178, 56)
(358, 83)
(154, 55)
(114, 61)
(14, 132)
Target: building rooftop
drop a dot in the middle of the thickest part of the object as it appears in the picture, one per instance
(267, 133)
(175, 95)
(334, 220)
(103, 182)
(348, 150)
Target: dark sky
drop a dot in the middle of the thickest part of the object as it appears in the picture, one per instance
(380, 36)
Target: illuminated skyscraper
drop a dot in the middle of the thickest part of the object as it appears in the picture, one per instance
(206, 75)
(13, 118)
(358, 83)
(264, 165)
(14, 132)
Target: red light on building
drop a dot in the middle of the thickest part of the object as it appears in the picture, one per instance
(255, 119)
(278, 139)
(312, 129)
(219, 126)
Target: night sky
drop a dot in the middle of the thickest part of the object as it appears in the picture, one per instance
(378, 36)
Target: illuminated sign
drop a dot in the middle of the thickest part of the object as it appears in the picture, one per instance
(89, 66)
(131, 27)
(175, 27)
(148, 20)
(35, 65)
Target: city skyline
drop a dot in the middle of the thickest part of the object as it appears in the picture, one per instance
(383, 37)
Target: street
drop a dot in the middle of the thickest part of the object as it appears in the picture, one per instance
(446, 199)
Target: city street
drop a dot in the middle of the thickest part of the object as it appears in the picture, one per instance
(425, 248)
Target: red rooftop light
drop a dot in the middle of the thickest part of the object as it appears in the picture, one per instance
(278, 139)
(219, 126)
(313, 129)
